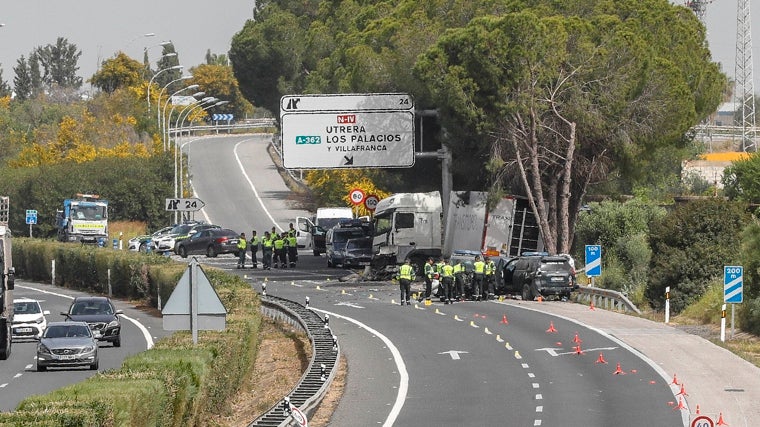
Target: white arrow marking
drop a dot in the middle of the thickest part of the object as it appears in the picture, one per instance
(349, 304)
(454, 354)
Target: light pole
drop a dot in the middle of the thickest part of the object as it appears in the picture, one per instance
(150, 83)
(171, 113)
(181, 175)
(158, 102)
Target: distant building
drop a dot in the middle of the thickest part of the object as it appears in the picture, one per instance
(725, 114)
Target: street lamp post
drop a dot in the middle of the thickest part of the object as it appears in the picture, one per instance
(159, 121)
(171, 113)
(150, 83)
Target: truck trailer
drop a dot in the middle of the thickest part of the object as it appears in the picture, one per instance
(7, 282)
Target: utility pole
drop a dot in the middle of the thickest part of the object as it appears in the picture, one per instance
(744, 91)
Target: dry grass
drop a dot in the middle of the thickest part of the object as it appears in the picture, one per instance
(129, 229)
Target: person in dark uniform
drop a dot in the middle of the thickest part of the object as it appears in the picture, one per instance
(447, 278)
(292, 243)
(266, 251)
(241, 247)
(405, 277)
(279, 260)
(255, 242)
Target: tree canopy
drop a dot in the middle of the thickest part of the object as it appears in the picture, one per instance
(119, 71)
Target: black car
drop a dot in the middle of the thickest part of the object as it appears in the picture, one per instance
(358, 252)
(536, 275)
(339, 235)
(100, 315)
(211, 241)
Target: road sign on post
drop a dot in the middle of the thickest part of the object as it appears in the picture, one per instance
(733, 284)
(370, 202)
(357, 196)
(184, 205)
(593, 260)
(347, 131)
(31, 216)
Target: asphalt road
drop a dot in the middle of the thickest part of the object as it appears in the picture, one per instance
(18, 377)
(439, 365)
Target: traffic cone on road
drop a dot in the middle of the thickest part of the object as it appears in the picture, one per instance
(698, 411)
(578, 350)
(680, 404)
(720, 420)
(600, 359)
(675, 380)
(576, 339)
(504, 320)
(551, 329)
(591, 305)
(619, 370)
(682, 392)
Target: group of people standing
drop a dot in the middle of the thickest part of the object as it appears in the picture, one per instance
(278, 250)
(452, 280)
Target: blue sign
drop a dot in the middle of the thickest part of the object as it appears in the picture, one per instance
(31, 216)
(593, 260)
(733, 284)
(218, 117)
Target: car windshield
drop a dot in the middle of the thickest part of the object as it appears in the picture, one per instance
(91, 308)
(181, 229)
(359, 244)
(26, 307)
(67, 331)
(342, 235)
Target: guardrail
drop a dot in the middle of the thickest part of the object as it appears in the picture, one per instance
(605, 298)
(216, 128)
(313, 385)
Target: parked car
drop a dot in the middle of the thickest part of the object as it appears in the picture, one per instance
(168, 242)
(338, 236)
(537, 274)
(146, 242)
(29, 319)
(358, 252)
(211, 241)
(67, 344)
(101, 316)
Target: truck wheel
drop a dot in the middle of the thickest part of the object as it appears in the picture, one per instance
(41, 368)
(316, 252)
(117, 343)
(182, 252)
(94, 366)
(143, 248)
(5, 352)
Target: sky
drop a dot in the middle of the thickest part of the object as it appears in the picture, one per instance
(101, 28)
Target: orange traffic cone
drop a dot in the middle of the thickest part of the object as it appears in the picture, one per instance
(591, 305)
(600, 359)
(683, 391)
(551, 328)
(698, 411)
(680, 404)
(675, 380)
(619, 370)
(576, 339)
(720, 420)
(578, 350)
(540, 299)
(504, 320)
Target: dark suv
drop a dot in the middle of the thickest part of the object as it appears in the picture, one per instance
(100, 315)
(534, 275)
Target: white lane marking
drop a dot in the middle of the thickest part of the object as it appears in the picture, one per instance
(454, 354)
(140, 326)
(29, 366)
(253, 187)
(3, 385)
(403, 387)
(18, 375)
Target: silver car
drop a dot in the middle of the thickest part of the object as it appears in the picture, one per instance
(66, 344)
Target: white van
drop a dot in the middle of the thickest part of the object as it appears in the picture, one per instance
(315, 230)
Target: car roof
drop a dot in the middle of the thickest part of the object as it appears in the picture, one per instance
(66, 323)
(24, 299)
(226, 231)
(92, 298)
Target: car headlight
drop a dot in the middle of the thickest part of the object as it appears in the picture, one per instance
(113, 323)
(88, 349)
(42, 348)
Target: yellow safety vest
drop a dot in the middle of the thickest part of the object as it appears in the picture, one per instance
(479, 267)
(490, 268)
(267, 243)
(279, 244)
(447, 270)
(242, 243)
(406, 272)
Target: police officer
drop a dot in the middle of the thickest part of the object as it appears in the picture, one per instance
(459, 272)
(447, 277)
(266, 251)
(279, 251)
(490, 269)
(429, 270)
(439, 269)
(292, 244)
(479, 269)
(255, 242)
(241, 246)
(405, 277)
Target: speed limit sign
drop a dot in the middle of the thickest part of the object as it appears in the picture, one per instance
(357, 196)
(370, 202)
(702, 421)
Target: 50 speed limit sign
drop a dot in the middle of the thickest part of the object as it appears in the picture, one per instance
(357, 196)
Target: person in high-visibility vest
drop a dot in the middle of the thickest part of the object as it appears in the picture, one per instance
(405, 277)
(479, 269)
(266, 251)
(429, 270)
(255, 243)
(279, 251)
(459, 271)
(241, 247)
(292, 244)
(447, 277)
(438, 269)
(490, 270)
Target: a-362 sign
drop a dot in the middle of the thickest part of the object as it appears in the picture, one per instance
(184, 205)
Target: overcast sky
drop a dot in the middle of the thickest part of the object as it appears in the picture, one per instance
(100, 28)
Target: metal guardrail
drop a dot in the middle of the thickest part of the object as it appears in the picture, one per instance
(313, 386)
(605, 298)
(216, 128)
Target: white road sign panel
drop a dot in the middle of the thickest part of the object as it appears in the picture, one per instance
(346, 102)
(184, 205)
(348, 140)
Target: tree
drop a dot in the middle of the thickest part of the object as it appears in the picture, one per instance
(216, 59)
(119, 71)
(567, 101)
(219, 81)
(59, 62)
(5, 89)
(740, 180)
(22, 81)
(169, 58)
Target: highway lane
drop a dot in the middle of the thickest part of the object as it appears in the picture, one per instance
(18, 377)
(416, 366)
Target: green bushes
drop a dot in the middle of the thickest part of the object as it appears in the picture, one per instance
(175, 383)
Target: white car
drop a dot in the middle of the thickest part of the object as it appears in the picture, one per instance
(29, 319)
(147, 242)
